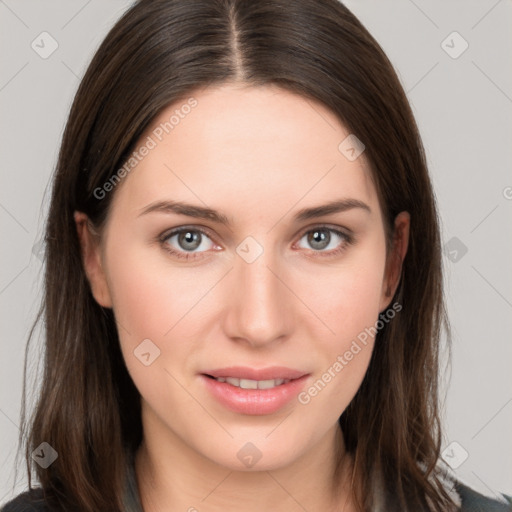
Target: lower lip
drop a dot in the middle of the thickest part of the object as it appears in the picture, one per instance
(254, 401)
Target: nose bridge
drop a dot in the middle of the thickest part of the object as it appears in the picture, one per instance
(258, 306)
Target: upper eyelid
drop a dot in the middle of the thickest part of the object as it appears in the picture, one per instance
(176, 231)
(329, 227)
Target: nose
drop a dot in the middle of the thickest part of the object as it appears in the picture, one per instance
(259, 303)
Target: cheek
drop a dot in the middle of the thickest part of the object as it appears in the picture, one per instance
(348, 298)
(149, 299)
(349, 306)
(149, 294)
(150, 305)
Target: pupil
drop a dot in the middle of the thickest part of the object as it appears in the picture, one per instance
(189, 240)
(318, 239)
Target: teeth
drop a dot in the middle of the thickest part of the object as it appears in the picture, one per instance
(248, 384)
(252, 384)
(267, 384)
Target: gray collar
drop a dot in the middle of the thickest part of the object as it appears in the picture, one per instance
(131, 499)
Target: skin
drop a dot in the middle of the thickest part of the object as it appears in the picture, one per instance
(258, 155)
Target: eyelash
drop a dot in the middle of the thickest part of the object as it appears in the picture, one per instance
(347, 240)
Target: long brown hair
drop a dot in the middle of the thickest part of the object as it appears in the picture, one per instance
(160, 51)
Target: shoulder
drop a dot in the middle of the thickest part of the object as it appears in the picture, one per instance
(472, 501)
(467, 499)
(29, 501)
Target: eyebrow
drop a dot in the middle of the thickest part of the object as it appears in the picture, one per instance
(200, 212)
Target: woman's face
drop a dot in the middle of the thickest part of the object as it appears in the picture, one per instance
(265, 283)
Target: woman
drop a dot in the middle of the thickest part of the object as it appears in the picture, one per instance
(243, 295)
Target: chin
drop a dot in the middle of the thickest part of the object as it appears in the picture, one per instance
(256, 455)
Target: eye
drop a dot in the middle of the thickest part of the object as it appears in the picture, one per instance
(184, 242)
(187, 243)
(327, 240)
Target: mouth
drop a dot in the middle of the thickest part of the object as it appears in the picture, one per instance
(254, 391)
(249, 383)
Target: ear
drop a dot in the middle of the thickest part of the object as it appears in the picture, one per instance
(91, 259)
(395, 258)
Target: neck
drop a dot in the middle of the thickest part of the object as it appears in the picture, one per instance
(173, 476)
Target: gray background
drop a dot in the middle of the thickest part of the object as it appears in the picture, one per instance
(463, 105)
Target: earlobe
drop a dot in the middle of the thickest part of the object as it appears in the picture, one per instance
(396, 258)
(91, 260)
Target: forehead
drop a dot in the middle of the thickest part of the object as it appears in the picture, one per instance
(245, 144)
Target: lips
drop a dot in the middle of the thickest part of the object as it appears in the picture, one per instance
(254, 391)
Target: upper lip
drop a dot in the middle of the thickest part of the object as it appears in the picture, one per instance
(245, 372)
